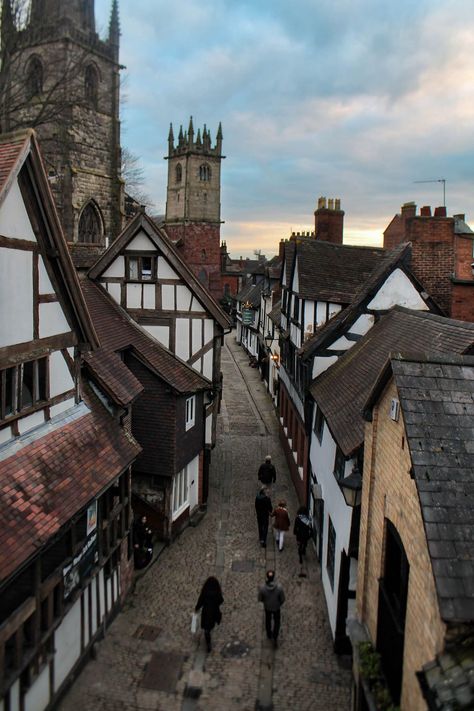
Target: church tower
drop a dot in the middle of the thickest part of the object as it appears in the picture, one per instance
(193, 203)
(63, 80)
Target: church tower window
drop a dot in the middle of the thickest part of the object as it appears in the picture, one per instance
(179, 173)
(34, 78)
(204, 172)
(90, 225)
(91, 85)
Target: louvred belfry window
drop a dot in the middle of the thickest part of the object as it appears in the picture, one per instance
(90, 225)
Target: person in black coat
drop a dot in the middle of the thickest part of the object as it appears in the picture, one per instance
(302, 530)
(263, 508)
(210, 601)
(267, 472)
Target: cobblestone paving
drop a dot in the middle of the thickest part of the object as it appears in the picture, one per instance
(242, 671)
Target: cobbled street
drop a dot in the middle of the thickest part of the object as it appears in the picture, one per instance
(150, 660)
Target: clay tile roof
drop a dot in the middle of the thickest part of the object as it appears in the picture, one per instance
(13, 149)
(119, 332)
(342, 390)
(437, 401)
(113, 376)
(51, 478)
(334, 272)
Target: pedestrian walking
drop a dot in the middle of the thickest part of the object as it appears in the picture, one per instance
(273, 597)
(210, 601)
(263, 508)
(302, 530)
(281, 523)
(142, 542)
(267, 471)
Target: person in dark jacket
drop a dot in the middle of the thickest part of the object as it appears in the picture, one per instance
(210, 601)
(273, 597)
(267, 472)
(142, 542)
(281, 523)
(302, 531)
(263, 507)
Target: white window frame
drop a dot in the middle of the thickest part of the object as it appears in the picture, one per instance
(180, 493)
(190, 412)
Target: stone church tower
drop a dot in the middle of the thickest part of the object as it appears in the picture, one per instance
(63, 80)
(193, 203)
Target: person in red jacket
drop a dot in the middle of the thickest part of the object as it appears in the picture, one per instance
(281, 523)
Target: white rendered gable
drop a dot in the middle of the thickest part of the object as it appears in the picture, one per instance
(141, 241)
(14, 220)
(397, 290)
(16, 296)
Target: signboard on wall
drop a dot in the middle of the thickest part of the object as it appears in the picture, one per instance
(81, 565)
(247, 317)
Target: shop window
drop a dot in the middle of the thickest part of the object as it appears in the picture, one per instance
(331, 552)
(141, 268)
(190, 412)
(23, 387)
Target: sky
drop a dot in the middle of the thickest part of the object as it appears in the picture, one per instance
(349, 99)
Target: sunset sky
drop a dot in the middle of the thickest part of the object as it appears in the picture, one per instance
(355, 99)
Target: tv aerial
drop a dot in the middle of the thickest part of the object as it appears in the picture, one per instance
(436, 180)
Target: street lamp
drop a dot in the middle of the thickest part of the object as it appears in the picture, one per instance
(268, 339)
(351, 487)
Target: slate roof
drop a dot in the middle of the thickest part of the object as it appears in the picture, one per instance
(342, 321)
(343, 389)
(52, 477)
(334, 272)
(252, 293)
(437, 400)
(448, 681)
(113, 376)
(275, 314)
(118, 331)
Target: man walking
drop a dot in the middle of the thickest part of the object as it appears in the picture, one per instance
(263, 508)
(273, 597)
(267, 472)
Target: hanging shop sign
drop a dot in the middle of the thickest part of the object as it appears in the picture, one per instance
(247, 317)
(81, 565)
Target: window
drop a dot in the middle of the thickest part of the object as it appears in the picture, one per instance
(296, 308)
(190, 412)
(180, 492)
(90, 225)
(23, 387)
(179, 173)
(319, 424)
(331, 552)
(91, 85)
(339, 464)
(204, 172)
(141, 268)
(34, 78)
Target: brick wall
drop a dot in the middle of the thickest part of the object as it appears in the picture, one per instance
(200, 248)
(389, 492)
(462, 302)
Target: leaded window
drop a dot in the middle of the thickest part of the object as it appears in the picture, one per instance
(90, 225)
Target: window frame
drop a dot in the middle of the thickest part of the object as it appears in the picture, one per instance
(140, 270)
(318, 428)
(180, 493)
(38, 388)
(331, 552)
(190, 413)
(339, 464)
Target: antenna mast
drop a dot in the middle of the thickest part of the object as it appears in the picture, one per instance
(436, 180)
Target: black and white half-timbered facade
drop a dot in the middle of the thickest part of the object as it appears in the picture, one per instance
(65, 458)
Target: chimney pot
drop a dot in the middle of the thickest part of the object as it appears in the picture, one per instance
(331, 204)
(337, 204)
(425, 211)
(408, 209)
(321, 203)
(440, 212)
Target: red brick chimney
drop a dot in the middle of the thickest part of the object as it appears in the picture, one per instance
(329, 221)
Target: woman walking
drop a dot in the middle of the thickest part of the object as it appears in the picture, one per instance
(302, 530)
(210, 601)
(281, 523)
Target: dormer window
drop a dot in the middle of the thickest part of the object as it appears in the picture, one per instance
(141, 268)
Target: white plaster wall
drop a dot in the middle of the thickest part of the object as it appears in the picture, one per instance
(116, 269)
(62, 407)
(14, 220)
(34, 420)
(182, 338)
(85, 621)
(197, 306)
(149, 296)
(295, 286)
(207, 365)
(183, 298)
(38, 695)
(109, 597)
(134, 296)
(167, 297)
(397, 289)
(101, 584)
(321, 364)
(342, 344)
(208, 330)
(59, 375)
(161, 333)
(15, 696)
(283, 322)
(16, 296)
(197, 335)
(52, 320)
(295, 335)
(114, 291)
(363, 324)
(5, 435)
(141, 242)
(209, 429)
(44, 282)
(322, 457)
(93, 589)
(308, 315)
(165, 271)
(67, 641)
(320, 312)
(334, 309)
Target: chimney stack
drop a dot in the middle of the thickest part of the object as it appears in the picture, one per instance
(329, 221)
(408, 210)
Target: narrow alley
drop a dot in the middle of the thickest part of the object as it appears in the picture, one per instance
(150, 660)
